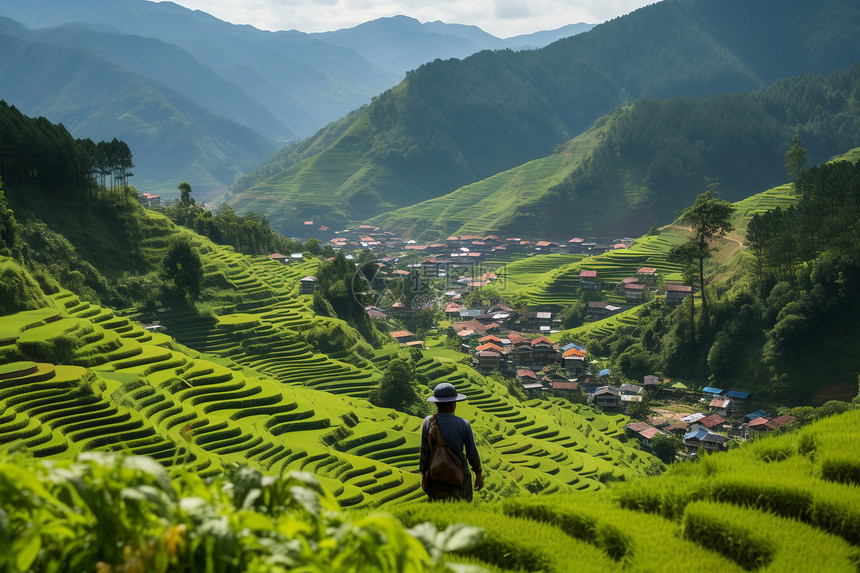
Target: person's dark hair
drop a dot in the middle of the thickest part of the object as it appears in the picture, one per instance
(447, 407)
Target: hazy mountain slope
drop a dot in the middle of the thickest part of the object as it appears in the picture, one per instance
(304, 82)
(455, 122)
(629, 171)
(546, 37)
(177, 70)
(401, 43)
(172, 138)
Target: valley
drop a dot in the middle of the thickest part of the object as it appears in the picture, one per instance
(234, 265)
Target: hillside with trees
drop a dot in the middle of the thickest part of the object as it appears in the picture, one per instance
(641, 163)
(779, 314)
(456, 122)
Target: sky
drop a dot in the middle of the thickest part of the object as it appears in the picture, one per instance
(502, 18)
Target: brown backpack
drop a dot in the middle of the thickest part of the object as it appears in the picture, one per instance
(445, 464)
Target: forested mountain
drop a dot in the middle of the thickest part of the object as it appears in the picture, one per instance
(173, 138)
(781, 313)
(638, 163)
(176, 69)
(303, 82)
(455, 122)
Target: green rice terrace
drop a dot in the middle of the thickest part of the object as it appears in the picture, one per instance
(243, 387)
(783, 503)
(553, 280)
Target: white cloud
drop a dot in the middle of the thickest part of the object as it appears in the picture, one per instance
(499, 17)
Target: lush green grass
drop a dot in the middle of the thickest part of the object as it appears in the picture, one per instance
(484, 207)
(488, 206)
(15, 323)
(770, 505)
(320, 188)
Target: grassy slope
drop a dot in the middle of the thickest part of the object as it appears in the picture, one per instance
(787, 503)
(261, 395)
(489, 206)
(321, 185)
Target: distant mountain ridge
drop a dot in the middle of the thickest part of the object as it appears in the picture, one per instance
(282, 85)
(400, 43)
(172, 138)
(451, 123)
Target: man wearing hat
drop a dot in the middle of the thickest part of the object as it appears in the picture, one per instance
(457, 435)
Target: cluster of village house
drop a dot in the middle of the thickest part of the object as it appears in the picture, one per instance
(494, 336)
(461, 247)
(703, 431)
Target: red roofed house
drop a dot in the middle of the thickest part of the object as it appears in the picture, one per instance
(375, 313)
(675, 294)
(490, 346)
(452, 310)
(588, 280)
(543, 351)
(634, 292)
(516, 338)
(721, 406)
(476, 326)
(149, 200)
(488, 360)
(643, 430)
(566, 389)
(526, 374)
(710, 423)
(283, 259)
(490, 338)
(765, 424)
(647, 275)
(403, 336)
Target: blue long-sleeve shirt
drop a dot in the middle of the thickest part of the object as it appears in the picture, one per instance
(457, 434)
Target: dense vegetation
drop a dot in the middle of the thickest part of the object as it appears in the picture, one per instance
(108, 513)
(794, 297)
(455, 122)
(640, 164)
(249, 233)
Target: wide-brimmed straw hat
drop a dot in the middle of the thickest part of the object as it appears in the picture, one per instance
(446, 392)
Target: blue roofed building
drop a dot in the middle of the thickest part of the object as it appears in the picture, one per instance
(737, 395)
(703, 439)
(753, 415)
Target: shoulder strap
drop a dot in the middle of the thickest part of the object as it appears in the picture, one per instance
(434, 434)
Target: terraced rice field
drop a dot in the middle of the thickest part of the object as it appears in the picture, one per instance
(547, 282)
(78, 377)
(782, 503)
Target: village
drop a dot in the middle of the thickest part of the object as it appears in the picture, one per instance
(496, 337)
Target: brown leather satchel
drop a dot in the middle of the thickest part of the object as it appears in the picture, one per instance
(445, 463)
